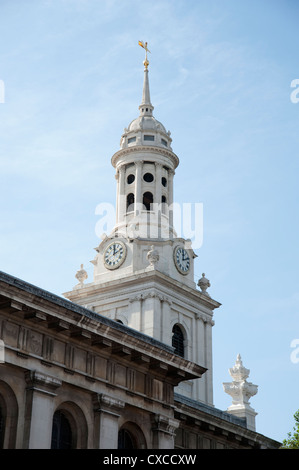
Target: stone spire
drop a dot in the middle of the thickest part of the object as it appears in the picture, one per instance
(146, 107)
(146, 130)
(241, 391)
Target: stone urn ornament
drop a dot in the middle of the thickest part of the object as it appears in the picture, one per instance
(204, 283)
(81, 275)
(152, 256)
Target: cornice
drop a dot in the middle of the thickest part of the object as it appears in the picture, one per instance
(134, 280)
(145, 149)
(65, 318)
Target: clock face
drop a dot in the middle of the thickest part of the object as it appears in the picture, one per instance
(182, 260)
(114, 255)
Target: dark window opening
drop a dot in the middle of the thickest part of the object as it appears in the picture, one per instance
(61, 432)
(125, 440)
(164, 142)
(149, 137)
(148, 178)
(164, 182)
(2, 427)
(131, 139)
(148, 200)
(163, 200)
(130, 202)
(178, 340)
(130, 179)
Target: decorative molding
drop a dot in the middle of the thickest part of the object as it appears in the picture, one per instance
(151, 295)
(102, 402)
(145, 149)
(42, 382)
(164, 424)
(152, 256)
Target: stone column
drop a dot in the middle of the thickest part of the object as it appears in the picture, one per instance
(39, 408)
(170, 199)
(158, 181)
(117, 193)
(107, 413)
(158, 198)
(209, 361)
(138, 184)
(200, 356)
(163, 429)
(121, 210)
(151, 315)
(135, 312)
(166, 334)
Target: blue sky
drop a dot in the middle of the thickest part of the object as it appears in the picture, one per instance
(220, 80)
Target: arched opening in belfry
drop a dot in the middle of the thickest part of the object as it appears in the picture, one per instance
(148, 200)
(130, 202)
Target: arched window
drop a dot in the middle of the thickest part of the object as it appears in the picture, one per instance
(148, 200)
(178, 340)
(9, 413)
(130, 202)
(131, 436)
(1, 428)
(61, 432)
(125, 440)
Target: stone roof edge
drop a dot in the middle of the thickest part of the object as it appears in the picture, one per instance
(210, 410)
(224, 415)
(64, 303)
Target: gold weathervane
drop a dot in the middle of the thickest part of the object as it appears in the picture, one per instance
(144, 45)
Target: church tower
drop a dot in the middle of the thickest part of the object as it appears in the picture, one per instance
(144, 272)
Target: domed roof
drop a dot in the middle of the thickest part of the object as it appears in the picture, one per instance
(144, 122)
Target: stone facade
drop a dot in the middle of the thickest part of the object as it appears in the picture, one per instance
(106, 380)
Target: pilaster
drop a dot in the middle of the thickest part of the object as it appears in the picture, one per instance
(107, 413)
(40, 391)
(163, 429)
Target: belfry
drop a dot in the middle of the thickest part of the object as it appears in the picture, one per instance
(143, 271)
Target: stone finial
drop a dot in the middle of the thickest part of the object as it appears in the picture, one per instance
(81, 275)
(152, 256)
(241, 391)
(204, 283)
